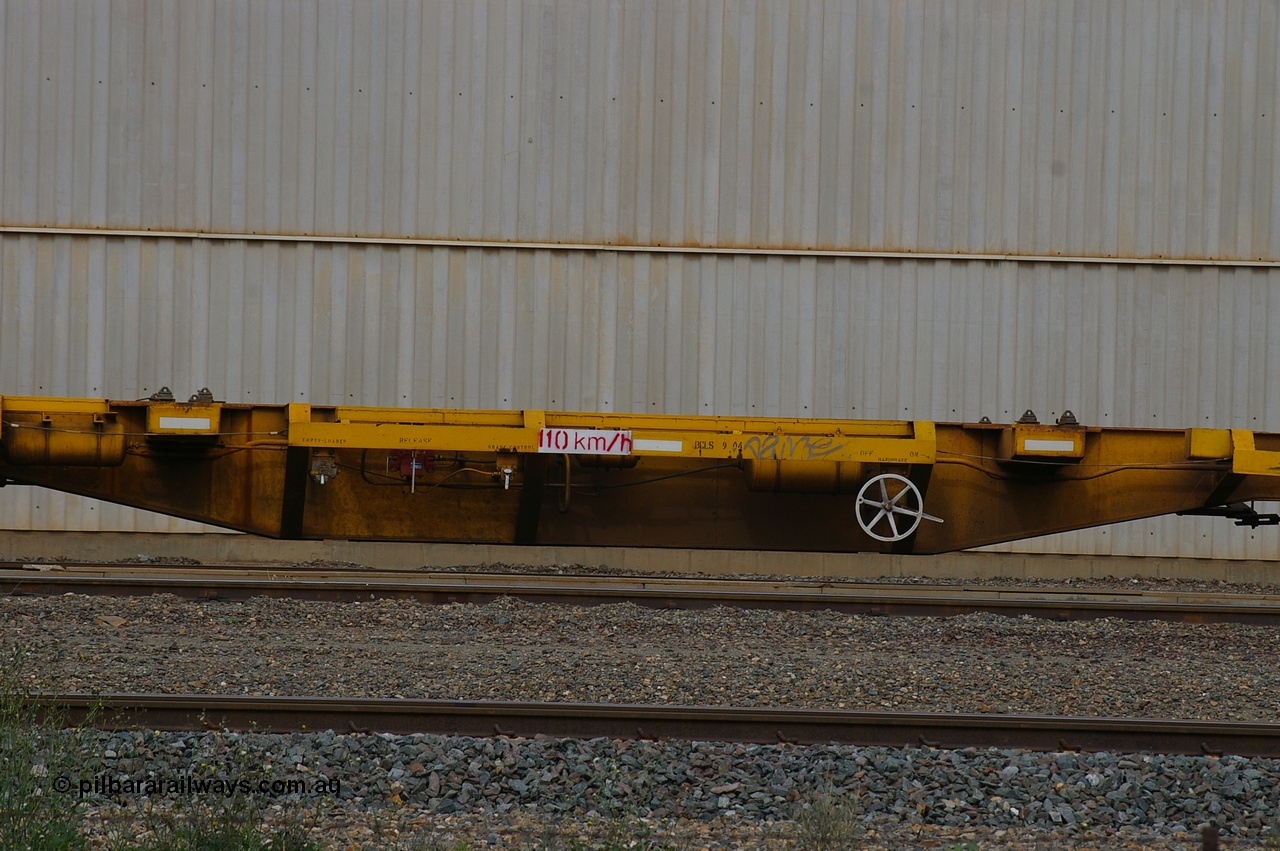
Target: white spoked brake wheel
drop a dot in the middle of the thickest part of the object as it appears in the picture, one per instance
(890, 507)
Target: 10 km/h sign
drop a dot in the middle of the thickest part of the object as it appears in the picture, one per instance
(581, 441)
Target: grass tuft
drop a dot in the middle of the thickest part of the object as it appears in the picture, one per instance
(828, 823)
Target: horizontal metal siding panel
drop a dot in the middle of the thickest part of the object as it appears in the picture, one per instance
(1098, 128)
(1122, 345)
(1161, 537)
(793, 336)
(603, 330)
(40, 509)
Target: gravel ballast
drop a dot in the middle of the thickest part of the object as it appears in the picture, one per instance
(724, 795)
(511, 650)
(426, 783)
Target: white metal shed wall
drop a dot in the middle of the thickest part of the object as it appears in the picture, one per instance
(315, 177)
(1101, 127)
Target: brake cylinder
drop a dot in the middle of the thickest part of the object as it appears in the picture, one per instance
(804, 476)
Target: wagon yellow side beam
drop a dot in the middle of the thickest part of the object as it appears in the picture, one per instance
(641, 435)
(302, 471)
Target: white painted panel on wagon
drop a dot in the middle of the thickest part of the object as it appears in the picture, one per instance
(1040, 445)
(185, 423)
(642, 445)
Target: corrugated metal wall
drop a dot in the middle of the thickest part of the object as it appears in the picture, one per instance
(350, 150)
(1100, 127)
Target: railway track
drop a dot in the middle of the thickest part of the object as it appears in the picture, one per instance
(238, 582)
(577, 720)
(950, 733)
(633, 722)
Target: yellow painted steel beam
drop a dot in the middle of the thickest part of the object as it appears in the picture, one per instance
(637, 435)
(53, 405)
(1247, 459)
(303, 471)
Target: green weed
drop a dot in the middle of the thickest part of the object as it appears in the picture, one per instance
(34, 753)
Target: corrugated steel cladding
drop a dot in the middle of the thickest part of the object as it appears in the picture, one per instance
(1117, 128)
(1090, 129)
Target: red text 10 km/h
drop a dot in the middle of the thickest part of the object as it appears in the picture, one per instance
(578, 441)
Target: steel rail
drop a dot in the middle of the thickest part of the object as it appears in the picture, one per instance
(892, 600)
(635, 722)
(495, 576)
